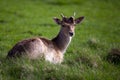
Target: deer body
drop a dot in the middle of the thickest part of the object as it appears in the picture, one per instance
(52, 50)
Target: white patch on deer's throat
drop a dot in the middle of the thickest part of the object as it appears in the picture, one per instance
(67, 45)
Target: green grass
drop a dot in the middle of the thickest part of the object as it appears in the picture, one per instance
(85, 57)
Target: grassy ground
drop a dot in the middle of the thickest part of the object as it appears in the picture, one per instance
(85, 58)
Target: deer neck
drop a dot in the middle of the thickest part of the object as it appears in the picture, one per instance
(61, 41)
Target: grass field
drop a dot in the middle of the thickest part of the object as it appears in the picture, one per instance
(85, 58)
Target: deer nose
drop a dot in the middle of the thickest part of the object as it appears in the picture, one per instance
(71, 33)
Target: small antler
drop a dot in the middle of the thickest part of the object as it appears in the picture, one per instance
(62, 15)
(74, 14)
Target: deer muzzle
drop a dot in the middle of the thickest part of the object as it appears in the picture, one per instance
(71, 34)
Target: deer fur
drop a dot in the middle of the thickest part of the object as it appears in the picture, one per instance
(51, 50)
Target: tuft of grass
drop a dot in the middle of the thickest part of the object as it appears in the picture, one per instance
(93, 42)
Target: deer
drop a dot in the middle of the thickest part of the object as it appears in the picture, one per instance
(51, 50)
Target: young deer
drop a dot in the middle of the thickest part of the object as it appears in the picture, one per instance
(52, 50)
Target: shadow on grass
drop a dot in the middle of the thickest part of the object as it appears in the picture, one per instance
(3, 21)
(47, 25)
(61, 3)
(114, 56)
(32, 33)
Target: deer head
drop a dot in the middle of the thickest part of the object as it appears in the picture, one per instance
(68, 24)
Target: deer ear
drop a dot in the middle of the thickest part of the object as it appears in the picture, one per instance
(78, 20)
(58, 21)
